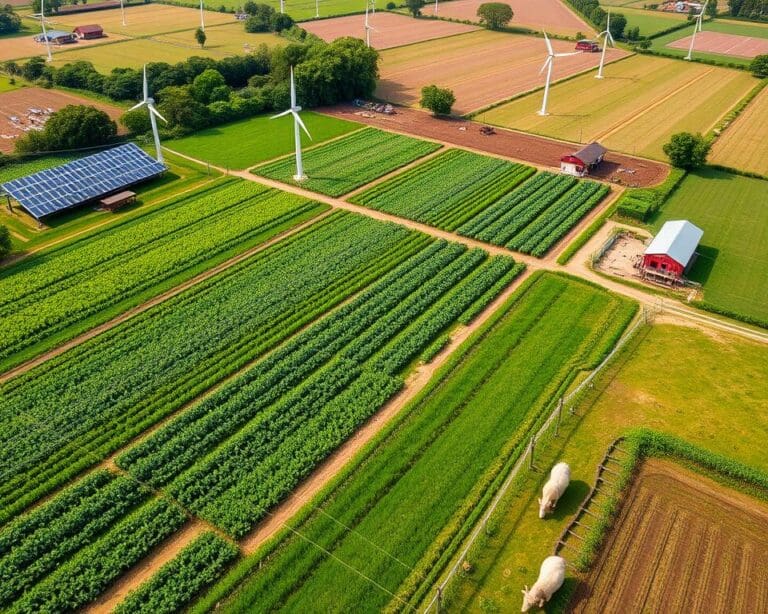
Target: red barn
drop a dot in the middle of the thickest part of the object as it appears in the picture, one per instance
(579, 162)
(671, 252)
(87, 32)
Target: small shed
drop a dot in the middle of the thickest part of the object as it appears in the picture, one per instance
(580, 162)
(88, 32)
(118, 201)
(57, 37)
(671, 252)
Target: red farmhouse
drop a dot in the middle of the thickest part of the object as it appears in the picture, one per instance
(579, 162)
(671, 252)
(87, 32)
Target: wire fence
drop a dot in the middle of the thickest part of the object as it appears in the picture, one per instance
(568, 401)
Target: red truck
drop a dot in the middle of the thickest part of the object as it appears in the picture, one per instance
(587, 45)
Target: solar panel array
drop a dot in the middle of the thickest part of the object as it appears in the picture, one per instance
(85, 179)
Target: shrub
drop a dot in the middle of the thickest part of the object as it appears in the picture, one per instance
(5, 242)
(415, 6)
(436, 99)
(686, 150)
(391, 6)
(495, 15)
(759, 66)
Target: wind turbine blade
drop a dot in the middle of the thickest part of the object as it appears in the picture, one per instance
(146, 87)
(293, 91)
(549, 45)
(136, 106)
(564, 55)
(610, 38)
(608, 21)
(154, 111)
(546, 63)
(366, 15)
(301, 123)
(283, 114)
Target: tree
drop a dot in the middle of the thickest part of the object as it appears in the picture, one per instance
(205, 84)
(618, 23)
(51, 6)
(495, 15)
(200, 37)
(10, 22)
(415, 6)
(136, 121)
(686, 150)
(33, 69)
(436, 99)
(759, 66)
(712, 9)
(73, 127)
(5, 242)
(180, 108)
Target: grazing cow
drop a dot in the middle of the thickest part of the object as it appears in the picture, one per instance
(551, 577)
(558, 481)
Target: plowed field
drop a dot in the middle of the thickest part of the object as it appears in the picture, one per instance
(683, 544)
(724, 44)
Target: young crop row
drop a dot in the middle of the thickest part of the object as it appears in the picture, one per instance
(397, 513)
(351, 161)
(63, 554)
(170, 589)
(446, 190)
(241, 450)
(62, 287)
(69, 413)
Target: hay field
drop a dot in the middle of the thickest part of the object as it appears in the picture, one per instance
(223, 39)
(641, 102)
(25, 46)
(744, 144)
(481, 67)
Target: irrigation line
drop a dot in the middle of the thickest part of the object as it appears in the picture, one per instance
(524, 457)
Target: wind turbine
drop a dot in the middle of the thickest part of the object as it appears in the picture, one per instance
(373, 6)
(202, 17)
(608, 39)
(368, 28)
(282, 6)
(696, 28)
(122, 12)
(45, 34)
(317, 9)
(294, 110)
(551, 55)
(150, 102)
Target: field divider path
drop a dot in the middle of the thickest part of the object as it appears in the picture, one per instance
(26, 366)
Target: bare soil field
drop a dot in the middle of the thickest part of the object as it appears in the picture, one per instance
(480, 67)
(724, 44)
(682, 543)
(550, 15)
(18, 102)
(540, 151)
(391, 30)
(26, 47)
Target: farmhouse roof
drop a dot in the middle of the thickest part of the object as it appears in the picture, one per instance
(677, 239)
(589, 154)
(54, 34)
(89, 29)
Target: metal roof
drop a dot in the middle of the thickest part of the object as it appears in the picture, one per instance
(677, 239)
(589, 154)
(89, 28)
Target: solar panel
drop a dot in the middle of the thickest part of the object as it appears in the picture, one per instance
(85, 179)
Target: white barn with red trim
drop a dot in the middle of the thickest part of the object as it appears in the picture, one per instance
(580, 162)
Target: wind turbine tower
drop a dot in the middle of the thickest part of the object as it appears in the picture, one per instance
(297, 123)
(607, 38)
(368, 29)
(122, 12)
(202, 17)
(45, 33)
(696, 28)
(548, 63)
(150, 104)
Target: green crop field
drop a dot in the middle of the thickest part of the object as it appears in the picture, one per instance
(244, 143)
(733, 213)
(51, 296)
(396, 512)
(350, 162)
(301, 10)
(720, 416)
(639, 104)
(479, 197)
(651, 22)
(6, 85)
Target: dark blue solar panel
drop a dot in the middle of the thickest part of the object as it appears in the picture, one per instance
(85, 179)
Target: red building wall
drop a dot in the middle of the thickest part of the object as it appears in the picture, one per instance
(664, 263)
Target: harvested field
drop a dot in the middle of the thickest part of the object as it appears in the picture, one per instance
(724, 44)
(550, 15)
(392, 30)
(682, 543)
(224, 39)
(526, 147)
(17, 103)
(480, 67)
(25, 46)
(744, 144)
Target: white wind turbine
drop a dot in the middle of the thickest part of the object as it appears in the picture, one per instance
(696, 28)
(551, 55)
(373, 6)
(150, 103)
(608, 38)
(122, 12)
(282, 6)
(45, 33)
(294, 110)
(202, 17)
(368, 28)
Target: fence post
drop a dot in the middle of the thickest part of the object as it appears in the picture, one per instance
(559, 416)
(530, 452)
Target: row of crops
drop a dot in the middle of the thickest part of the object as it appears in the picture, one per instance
(489, 199)
(56, 293)
(352, 161)
(395, 516)
(73, 410)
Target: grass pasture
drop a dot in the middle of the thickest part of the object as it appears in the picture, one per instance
(300, 10)
(708, 395)
(414, 490)
(265, 138)
(350, 162)
(639, 104)
(744, 144)
(651, 22)
(733, 213)
(230, 38)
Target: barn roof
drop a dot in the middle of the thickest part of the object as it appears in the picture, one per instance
(677, 239)
(589, 154)
(53, 34)
(89, 29)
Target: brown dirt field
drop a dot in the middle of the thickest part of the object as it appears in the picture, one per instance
(530, 148)
(550, 15)
(392, 30)
(724, 44)
(683, 543)
(17, 102)
(481, 68)
(25, 46)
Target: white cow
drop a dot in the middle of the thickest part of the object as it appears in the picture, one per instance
(551, 577)
(559, 478)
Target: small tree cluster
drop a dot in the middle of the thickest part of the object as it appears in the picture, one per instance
(436, 99)
(686, 150)
(73, 127)
(759, 66)
(415, 6)
(495, 15)
(264, 18)
(10, 22)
